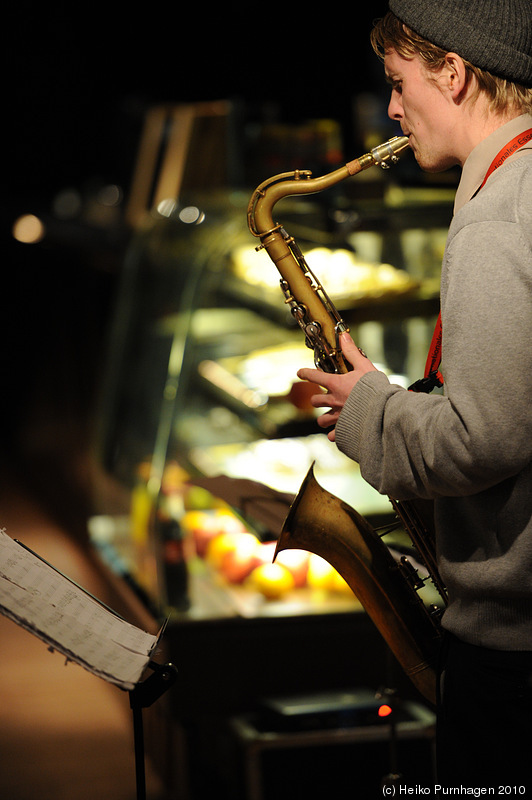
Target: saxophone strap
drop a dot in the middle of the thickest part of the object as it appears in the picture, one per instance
(432, 376)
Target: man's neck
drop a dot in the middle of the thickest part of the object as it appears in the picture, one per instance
(477, 123)
(502, 139)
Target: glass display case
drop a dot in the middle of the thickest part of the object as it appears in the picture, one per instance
(202, 412)
(203, 425)
(206, 434)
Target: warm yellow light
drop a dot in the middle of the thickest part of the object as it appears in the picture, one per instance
(28, 229)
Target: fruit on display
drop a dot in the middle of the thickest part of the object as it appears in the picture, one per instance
(296, 561)
(237, 556)
(300, 394)
(233, 555)
(204, 526)
(271, 580)
(198, 498)
(214, 534)
(321, 575)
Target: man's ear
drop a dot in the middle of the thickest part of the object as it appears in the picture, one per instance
(456, 76)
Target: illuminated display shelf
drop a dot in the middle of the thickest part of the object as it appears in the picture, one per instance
(202, 364)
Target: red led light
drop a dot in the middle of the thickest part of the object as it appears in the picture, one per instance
(384, 710)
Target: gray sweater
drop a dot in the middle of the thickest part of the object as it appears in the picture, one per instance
(470, 449)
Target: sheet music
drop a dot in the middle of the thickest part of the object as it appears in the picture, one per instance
(46, 603)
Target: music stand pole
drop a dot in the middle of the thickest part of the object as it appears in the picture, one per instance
(142, 696)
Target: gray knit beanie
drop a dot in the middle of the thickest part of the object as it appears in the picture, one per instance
(495, 35)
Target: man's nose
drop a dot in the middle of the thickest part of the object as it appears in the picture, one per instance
(395, 108)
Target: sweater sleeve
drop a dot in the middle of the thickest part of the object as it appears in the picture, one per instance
(480, 431)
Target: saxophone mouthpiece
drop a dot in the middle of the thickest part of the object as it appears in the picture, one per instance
(389, 152)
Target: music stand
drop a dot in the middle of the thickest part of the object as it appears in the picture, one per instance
(48, 604)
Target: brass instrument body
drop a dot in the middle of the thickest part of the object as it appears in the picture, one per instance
(318, 521)
(316, 315)
(321, 523)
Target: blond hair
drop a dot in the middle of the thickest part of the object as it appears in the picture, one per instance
(390, 33)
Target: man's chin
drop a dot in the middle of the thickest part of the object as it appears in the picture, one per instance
(428, 164)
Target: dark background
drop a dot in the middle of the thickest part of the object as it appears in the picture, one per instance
(82, 76)
(78, 81)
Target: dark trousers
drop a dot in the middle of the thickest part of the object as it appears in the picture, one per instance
(484, 728)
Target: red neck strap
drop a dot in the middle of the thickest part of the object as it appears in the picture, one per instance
(519, 141)
(433, 376)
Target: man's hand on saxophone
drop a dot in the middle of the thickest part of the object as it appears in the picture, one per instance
(338, 386)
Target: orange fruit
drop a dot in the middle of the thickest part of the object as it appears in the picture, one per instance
(271, 580)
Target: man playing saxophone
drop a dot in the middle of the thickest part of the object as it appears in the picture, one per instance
(461, 75)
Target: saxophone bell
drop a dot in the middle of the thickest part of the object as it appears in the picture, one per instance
(387, 588)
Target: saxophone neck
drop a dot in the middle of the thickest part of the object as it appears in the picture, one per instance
(299, 182)
(304, 294)
(286, 184)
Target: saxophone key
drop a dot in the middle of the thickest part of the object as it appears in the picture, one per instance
(411, 574)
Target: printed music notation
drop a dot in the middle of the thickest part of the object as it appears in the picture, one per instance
(68, 619)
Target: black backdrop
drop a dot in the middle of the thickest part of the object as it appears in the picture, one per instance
(78, 80)
(80, 77)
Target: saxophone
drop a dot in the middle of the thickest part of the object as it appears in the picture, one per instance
(387, 586)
